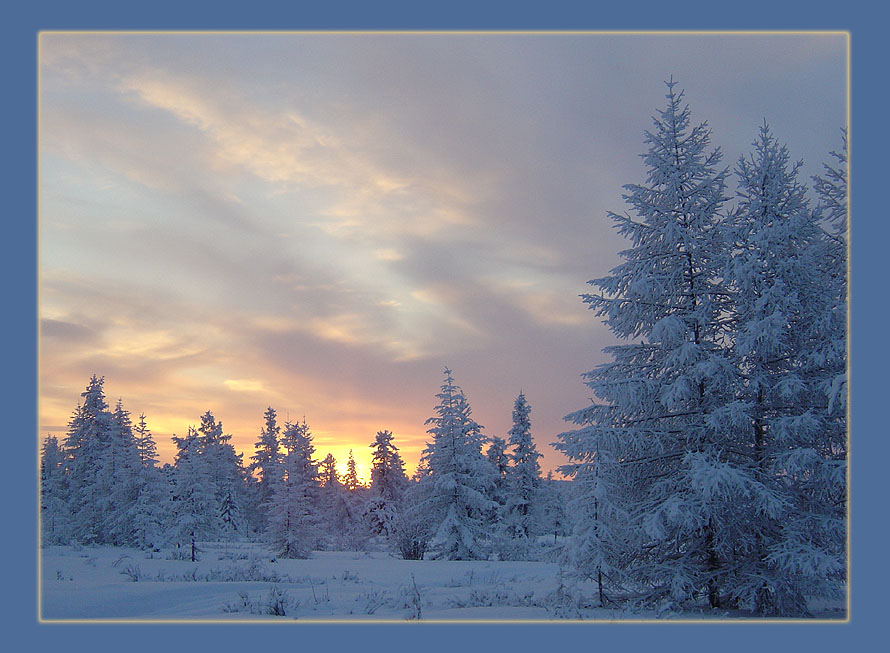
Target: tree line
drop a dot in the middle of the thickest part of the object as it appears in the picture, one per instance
(102, 485)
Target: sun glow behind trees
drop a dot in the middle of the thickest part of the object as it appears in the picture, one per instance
(103, 486)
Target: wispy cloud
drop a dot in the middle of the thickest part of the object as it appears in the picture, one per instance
(244, 385)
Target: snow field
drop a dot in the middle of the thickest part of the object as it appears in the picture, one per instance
(245, 582)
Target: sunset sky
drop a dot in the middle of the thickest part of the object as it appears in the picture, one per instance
(323, 222)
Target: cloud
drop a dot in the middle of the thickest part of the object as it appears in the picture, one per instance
(388, 255)
(244, 385)
(67, 331)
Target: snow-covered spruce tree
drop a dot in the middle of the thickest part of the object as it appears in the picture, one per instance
(350, 479)
(120, 473)
(335, 506)
(500, 461)
(145, 444)
(785, 324)
(150, 515)
(387, 486)
(328, 477)
(388, 477)
(227, 476)
(87, 441)
(523, 481)
(354, 525)
(501, 543)
(600, 547)
(832, 189)
(293, 523)
(552, 516)
(460, 479)
(832, 192)
(54, 520)
(664, 486)
(194, 505)
(265, 467)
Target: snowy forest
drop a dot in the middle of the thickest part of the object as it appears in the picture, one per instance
(103, 485)
(708, 472)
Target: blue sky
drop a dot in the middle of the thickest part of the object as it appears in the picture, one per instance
(321, 223)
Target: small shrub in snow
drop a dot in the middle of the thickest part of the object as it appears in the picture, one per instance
(486, 598)
(482, 599)
(277, 602)
(120, 559)
(256, 570)
(242, 605)
(322, 595)
(348, 576)
(562, 604)
(413, 600)
(180, 553)
(373, 600)
(524, 600)
(133, 572)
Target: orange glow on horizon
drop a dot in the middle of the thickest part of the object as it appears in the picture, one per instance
(336, 441)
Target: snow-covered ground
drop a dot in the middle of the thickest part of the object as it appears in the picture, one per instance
(237, 582)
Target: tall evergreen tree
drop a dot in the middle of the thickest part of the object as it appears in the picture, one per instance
(387, 468)
(334, 505)
(145, 444)
(350, 480)
(265, 466)
(227, 477)
(293, 523)
(832, 193)
(654, 436)
(388, 484)
(523, 476)
(119, 477)
(194, 507)
(500, 461)
(354, 507)
(328, 477)
(832, 189)
(54, 520)
(460, 478)
(89, 433)
(553, 518)
(785, 326)
(151, 515)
